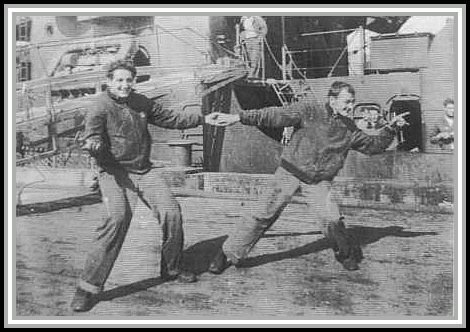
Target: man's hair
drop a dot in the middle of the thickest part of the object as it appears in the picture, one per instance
(339, 86)
(448, 101)
(120, 64)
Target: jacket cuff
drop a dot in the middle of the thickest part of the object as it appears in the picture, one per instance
(390, 129)
(244, 117)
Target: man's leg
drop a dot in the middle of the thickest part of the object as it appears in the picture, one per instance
(324, 207)
(119, 197)
(278, 194)
(157, 195)
(253, 47)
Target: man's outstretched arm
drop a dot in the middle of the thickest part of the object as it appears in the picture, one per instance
(270, 117)
(175, 118)
(374, 144)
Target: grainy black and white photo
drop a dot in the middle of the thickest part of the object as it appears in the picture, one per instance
(207, 167)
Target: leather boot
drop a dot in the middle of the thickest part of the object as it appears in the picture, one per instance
(83, 300)
(345, 247)
(219, 264)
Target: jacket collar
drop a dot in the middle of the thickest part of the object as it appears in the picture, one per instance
(350, 124)
(119, 100)
(332, 114)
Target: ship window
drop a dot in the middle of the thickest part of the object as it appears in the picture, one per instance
(368, 117)
(49, 29)
(23, 71)
(23, 29)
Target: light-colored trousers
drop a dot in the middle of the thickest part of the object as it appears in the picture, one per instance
(120, 192)
(280, 191)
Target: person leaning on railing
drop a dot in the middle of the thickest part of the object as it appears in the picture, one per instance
(443, 133)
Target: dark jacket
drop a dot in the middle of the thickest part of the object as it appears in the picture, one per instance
(121, 125)
(443, 127)
(320, 142)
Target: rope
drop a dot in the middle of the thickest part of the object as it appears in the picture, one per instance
(340, 56)
(296, 67)
(272, 54)
(183, 41)
(337, 61)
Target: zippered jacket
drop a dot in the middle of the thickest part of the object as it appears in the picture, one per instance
(120, 124)
(321, 140)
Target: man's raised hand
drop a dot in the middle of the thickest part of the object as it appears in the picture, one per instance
(399, 121)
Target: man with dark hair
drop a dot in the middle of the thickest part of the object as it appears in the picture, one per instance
(322, 138)
(116, 135)
(443, 133)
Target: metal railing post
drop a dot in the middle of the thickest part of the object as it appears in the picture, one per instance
(284, 64)
(263, 76)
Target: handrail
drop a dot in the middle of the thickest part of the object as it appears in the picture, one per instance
(325, 32)
(316, 50)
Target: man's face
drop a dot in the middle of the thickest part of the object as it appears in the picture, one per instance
(374, 115)
(121, 83)
(449, 110)
(343, 104)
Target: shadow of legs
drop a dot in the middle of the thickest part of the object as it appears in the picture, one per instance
(198, 257)
(195, 259)
(364, 235)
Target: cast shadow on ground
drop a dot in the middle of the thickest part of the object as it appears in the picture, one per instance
(364, 235)
(129, 289)
(197, 257)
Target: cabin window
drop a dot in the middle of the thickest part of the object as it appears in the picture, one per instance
(369, 117)
(49, 29)
(23, 70)
(23, 29)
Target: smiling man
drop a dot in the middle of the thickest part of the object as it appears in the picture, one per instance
(117, 137)
(322, 138)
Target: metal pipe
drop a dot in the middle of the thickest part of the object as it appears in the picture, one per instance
(283, 27)
(324, 32)
(317, 50)
(284, 63)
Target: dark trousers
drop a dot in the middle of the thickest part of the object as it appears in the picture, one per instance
(120, 192)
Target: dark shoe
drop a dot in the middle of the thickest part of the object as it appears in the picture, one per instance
(186, 277)
(83, 301)
(350, 264)
(183, 277)
(346, 248)
(219, 264)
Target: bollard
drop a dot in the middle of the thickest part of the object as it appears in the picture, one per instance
(181, 152)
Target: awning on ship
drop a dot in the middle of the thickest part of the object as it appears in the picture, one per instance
(424, 24)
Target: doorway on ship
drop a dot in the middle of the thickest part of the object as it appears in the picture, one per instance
(410, 137)
(141, 58)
